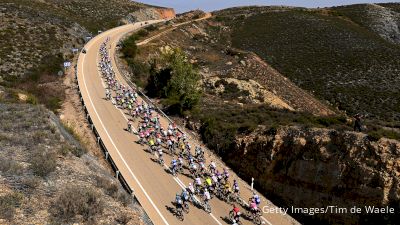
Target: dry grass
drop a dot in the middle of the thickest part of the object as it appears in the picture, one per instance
(76, 201)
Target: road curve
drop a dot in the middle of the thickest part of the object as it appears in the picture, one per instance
(153, 186)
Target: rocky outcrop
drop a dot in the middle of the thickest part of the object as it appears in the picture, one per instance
(385, 22)
(251, 91)
(150, 14)
(320, 168)
(166, 13)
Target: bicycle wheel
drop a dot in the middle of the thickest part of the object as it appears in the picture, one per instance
(257, 219)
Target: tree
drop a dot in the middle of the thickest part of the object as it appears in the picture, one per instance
(178, 80)
(129, 48)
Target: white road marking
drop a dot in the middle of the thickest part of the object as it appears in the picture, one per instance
(129, 169)
(177, 180)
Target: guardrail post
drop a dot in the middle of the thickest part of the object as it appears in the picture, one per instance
(98, 140)
(107, 155)
(117, 174)
(92, 127)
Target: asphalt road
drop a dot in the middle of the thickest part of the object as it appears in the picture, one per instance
(153, 186)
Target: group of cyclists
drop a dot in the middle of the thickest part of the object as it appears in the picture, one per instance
(208, 180)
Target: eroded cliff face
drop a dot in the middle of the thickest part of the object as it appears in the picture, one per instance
(166, 13)
(150, 14)
(319, 168)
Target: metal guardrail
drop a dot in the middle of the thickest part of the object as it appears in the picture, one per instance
(100, 141)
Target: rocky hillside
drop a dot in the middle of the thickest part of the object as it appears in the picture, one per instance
(345, 55)
(296, 143)
(39, 35)
(328, 168)
(229, 74)
(46, 176)
(382, 19)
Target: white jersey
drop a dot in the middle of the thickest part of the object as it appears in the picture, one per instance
(198, 180)
(213, 165)
(191, 188)
(207, 195)
(214, 178)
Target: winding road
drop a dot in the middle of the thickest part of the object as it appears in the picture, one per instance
(154, 188)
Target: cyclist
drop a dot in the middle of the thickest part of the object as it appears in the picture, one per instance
(235, 213)
(130, 126)
(185, 196)
(256, 199)
(178, 202)
(197, 184)
(227, 188)
(212, 167)
(160, 156)
(170, 146)
(190, 188)
(202, 167)
(235, 186)
(108, 94)
(208, 182)
(180, 163)
(206, 198)
(173, 166)
(193, 169)
(226, 174)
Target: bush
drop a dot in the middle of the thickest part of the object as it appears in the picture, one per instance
(378, 133)
(111, 188)
(124, 198)
(77, 201)
(30, 183)
(10, 166)
(129, 48)
(76, 151)
(151, 27)
(177, 82)
(43, 163)
(8, 204)
(142, 33)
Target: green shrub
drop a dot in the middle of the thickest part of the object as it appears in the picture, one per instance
(32, 100)
(378, 133)
(142, 33)
(129, 48)
(151, 27)
(76, 151)
(54, 103)
(177, 82)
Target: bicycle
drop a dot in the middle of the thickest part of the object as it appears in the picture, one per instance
(207, 207)
(179, 213)
(254, 216)
(186, 207)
